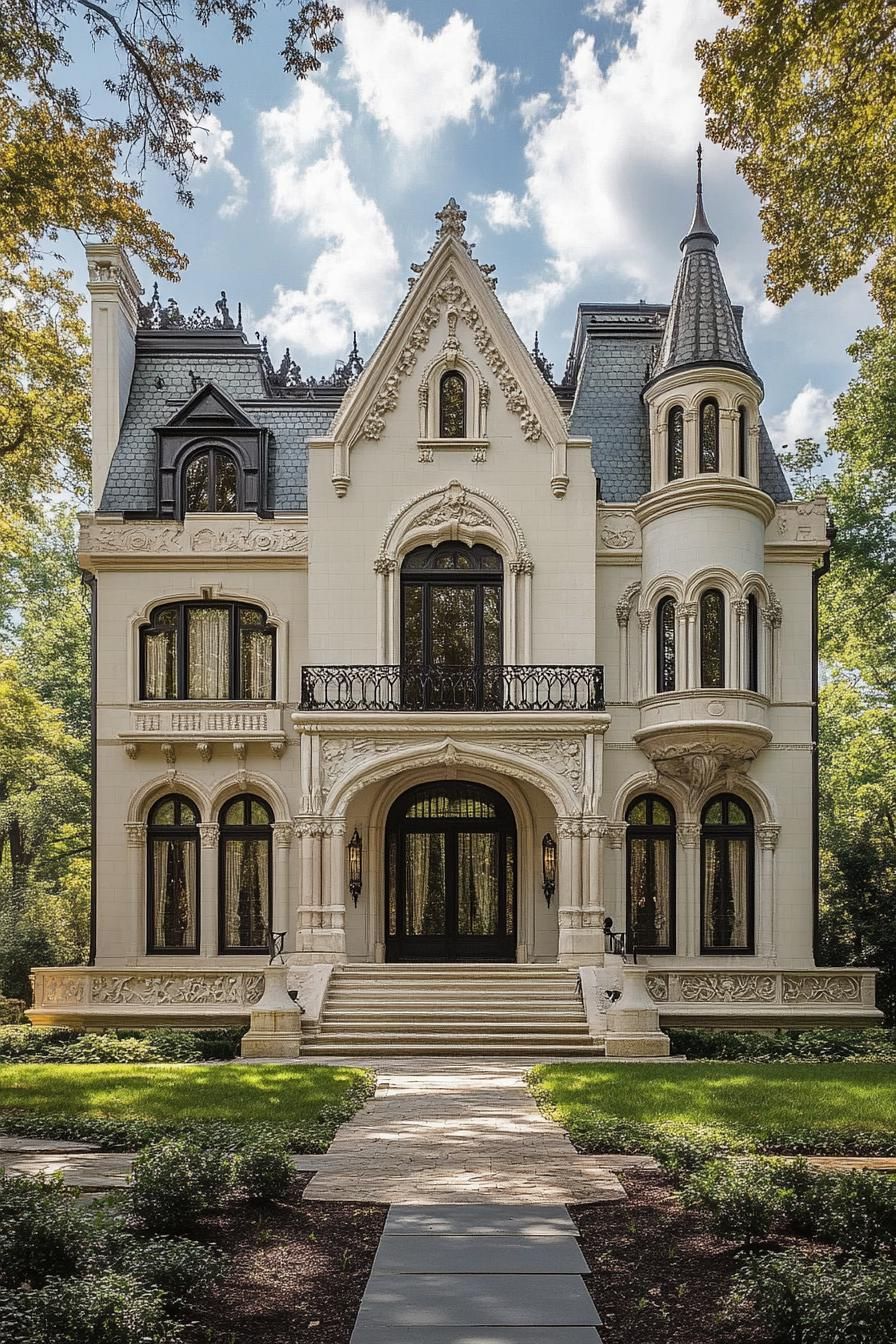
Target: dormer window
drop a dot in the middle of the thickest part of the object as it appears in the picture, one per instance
(675, 467)
(452, 405)
(709, 435)
(211, 483)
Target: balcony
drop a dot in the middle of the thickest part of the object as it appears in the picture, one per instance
(486, 688)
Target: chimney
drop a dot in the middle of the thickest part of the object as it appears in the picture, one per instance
(114, 290)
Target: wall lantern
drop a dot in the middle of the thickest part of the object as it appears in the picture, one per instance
(354, 866)
(549, 866)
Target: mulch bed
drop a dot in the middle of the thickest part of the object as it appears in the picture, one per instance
(298, 1270)
(659, 1277)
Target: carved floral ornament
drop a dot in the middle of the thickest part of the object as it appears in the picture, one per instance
(764, 987)
(446, 513)
(165, 539)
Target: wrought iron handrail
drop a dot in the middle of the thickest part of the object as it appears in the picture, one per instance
(488, 687)
(620, 943)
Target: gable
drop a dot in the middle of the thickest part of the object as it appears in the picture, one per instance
(209, 407)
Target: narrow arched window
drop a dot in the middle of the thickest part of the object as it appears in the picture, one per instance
(244, 879)
(211, 483)
(709, 435)
(207, 651)
(172, 877)
(727, 862)
(650, 868)
(712, 639)
(751, 636)
(453, 405)
(665, 645)
(675, 447)
(742, 427)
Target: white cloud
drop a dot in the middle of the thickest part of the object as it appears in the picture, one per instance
(353, 282)
(809, 416)
(215, 142)
(504, 211)
(412, 84)
(605, 9)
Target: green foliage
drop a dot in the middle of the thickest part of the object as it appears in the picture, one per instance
(103, 1308)
(811, 1046)
(163, 1045)
(179, 1267)
(264, 1168)
(43, 1230)
(12, 1011)
(855, 1210)
(741, 1200)
(174, 1181)
(804, 1301)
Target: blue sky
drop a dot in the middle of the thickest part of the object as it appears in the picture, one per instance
(566, 129)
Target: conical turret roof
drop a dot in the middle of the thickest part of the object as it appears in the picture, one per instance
(701, 327)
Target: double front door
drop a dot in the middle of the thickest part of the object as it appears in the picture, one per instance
(451, 875)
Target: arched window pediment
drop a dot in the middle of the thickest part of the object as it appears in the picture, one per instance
(454, 401)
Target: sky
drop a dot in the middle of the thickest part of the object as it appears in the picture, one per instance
(567, 129)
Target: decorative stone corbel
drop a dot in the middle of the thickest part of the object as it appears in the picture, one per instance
(131, 750)
(277, 748)
(204, 750)
(169, 753)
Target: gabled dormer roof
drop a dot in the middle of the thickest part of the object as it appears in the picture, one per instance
(208, 408)
(701, 327)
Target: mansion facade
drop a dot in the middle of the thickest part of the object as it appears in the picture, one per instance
(441, 659)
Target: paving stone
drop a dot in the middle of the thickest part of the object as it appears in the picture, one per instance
(426, 1301)
(479, 1255)
(520, 1334)
(479, 1220)
(90, 1171)
(11, 1144)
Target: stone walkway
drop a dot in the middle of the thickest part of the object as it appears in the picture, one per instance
(477, 1274)
(457, 1131)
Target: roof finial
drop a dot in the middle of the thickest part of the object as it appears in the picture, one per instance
(700, 234)
(700, 169)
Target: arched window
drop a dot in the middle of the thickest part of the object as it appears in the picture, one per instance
(742, 426)
(665, 645)
(650, 867)
(675, 447)
(751, 635)
(244, 879)
(207, 651)
(709, 435)
(712, 639)
(727, 862)
(211, 483)
(451, 639)
(452, 405)
(172, 876)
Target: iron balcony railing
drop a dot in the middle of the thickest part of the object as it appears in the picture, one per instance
(486, 688)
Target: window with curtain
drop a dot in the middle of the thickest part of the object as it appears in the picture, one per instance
(665, 645)
(675, 447)
(650, 885)
(172, 857)
(727, 861)
(751, 635)
(207, 651)
(211, 483)
(709, 435)
(712, 639)
(245, 876)
(452, 405)
(742, 426)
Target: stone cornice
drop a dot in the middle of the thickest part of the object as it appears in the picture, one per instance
(708, 491)
(213, 539)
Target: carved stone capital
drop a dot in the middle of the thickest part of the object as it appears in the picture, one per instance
(136, 834)
(688, 834)
(384, 564)
(569, 827)
(624, 605)
(740, 608)
(771, 613)
(209, 834)
(282, 834)
(688, 610)
(769, 834)
(644, 618)
(616, 834)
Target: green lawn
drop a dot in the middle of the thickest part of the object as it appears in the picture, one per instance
(243, 1094)
(743, 1100)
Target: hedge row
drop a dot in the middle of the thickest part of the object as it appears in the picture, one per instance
(163, 1045)
(816, 1046)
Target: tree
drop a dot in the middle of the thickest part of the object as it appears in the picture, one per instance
(805, 92)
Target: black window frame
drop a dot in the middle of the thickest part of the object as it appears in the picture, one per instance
(742, 450)
(234, 677)
(453, 374)
(711, 470)
(650, 830)
(250, 831)
(671, 473)
(211, 451)
(705, 683)
(665, 605)
(177, 831)
(725, 832)
(751, 635)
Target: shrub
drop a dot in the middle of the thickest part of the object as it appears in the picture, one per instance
(264, 1168)
(175, 1265)
(101, 1309)
(742, 1200)
(815, 1046)
(164, 1045)
(43, 1230)
(855, 1210)
(11, 1010)
(174, 1181)
(805, 1301)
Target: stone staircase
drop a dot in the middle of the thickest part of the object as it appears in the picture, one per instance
(452, 1009)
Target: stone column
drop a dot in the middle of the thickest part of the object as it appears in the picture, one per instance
(623, 612)
(614, 888)
(136, 834)
(305, 909)
(282, 915)
(768, 834)
(739, 670)
(687, 920)
(690, 679)
(644, 620)
(209, 834)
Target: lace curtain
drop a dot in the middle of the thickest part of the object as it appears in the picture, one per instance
(159, 665)
(208, 653)
(256, 670)
(246, 886)
(650, 891)
(174, 894)
(726, 879)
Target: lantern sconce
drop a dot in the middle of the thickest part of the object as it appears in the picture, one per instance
(549, 866)
(354, 867)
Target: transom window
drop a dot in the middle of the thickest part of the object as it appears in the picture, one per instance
(665, 645)
(245, 881)
(675, 447)
(650, 844)
(173, 876)
(452, 405)
(211, 483)
(712, 639)
(207, 651)
(709, 435)
(727, 861)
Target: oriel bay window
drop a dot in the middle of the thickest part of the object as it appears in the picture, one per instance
(245, 881)
(172, 857)
(727, 861)
(207, 651)
(650, 866)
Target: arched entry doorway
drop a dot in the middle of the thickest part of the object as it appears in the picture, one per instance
(451, 875)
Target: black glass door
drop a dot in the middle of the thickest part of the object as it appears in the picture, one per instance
(450, 875)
